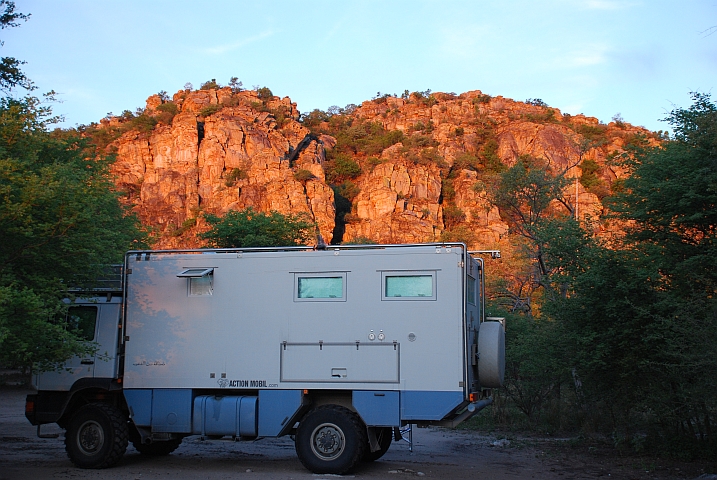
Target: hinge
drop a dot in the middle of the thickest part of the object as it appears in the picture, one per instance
(461, 264)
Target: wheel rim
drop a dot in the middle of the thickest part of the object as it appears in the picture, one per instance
(90, 437)
(327, 441)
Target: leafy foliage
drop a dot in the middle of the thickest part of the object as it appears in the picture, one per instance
(264, 94)
(342, 168)
(249, 228)
(11, 75)
(210, 85)
(303, 175)
(640, 317)
(60, 221)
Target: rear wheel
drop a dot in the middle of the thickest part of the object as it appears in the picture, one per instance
(96, 436)
(384, 435)
(157, 449)
(331, 439)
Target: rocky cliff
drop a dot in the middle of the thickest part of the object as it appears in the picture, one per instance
(418, 163)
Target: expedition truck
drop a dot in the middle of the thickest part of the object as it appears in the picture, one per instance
(338, 347)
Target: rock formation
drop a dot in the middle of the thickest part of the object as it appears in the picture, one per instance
(214, 150)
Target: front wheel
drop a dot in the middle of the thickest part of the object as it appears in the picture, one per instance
(330, 439)
(96, 436)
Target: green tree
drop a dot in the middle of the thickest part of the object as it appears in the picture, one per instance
(642, 314)
(11, 75)
(249, 228)
(60, 221)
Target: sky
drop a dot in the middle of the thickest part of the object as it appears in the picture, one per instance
(636, 58)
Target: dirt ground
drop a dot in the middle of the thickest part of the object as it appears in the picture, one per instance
(437, 453)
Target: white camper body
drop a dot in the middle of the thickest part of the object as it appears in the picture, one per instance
(339, 347)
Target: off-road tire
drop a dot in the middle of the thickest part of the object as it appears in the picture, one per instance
(96, 436)
(331, 439)
(384, 435)
(157, 449)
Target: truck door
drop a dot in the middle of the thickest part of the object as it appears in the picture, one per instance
(473, 309)
(95, 323)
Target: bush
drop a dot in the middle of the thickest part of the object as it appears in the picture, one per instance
(234, 175)
(250, 228)
(482, 98)
(452, 216)
(167, 111)
(466, 161)
(210, 85)
(342, 168)
(210, 110)
(537, 102)
(264, 94)
(303, 176)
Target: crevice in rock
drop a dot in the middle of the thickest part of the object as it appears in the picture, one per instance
(200, 133)
(294, 153)
(342, 206)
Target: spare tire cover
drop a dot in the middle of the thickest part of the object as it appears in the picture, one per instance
(491, 354)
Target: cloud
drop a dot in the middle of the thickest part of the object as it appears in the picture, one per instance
(608, 4)
(228, 47)
(466, 41)
(588, 56)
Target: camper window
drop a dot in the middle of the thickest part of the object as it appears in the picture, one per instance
(320, 287)
(200, 286)
(82, 319)
(409, 286)
(200, 280)
(471, 290)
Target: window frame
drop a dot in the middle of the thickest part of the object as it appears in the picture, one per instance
(469, 290)
(194, 275)
(77, 327)
(342, 275)
(409, 273)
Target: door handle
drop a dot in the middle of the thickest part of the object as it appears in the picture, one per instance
(87, 362)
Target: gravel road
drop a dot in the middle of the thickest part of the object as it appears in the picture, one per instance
(437, 453)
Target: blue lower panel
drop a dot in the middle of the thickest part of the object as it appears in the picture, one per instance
(420, 405)
(139, 402)
(172, 410)
(277, 409)
(377, 408)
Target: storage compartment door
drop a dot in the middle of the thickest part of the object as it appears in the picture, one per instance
(340, 362)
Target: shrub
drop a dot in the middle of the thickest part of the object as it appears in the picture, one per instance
(167, 111)
(343, 167)
(362, 241)
(482, 98)
(264, 94)
(596, 134)
(185, 227)
(373, 162)
(303, 175)
(234, 175)
(536, 102)
(466, 161)
(210, 110)
(250, 228)
(210, 85)
(348, 189)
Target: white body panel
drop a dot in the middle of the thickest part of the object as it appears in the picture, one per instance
(104, 364)
(252, 331)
